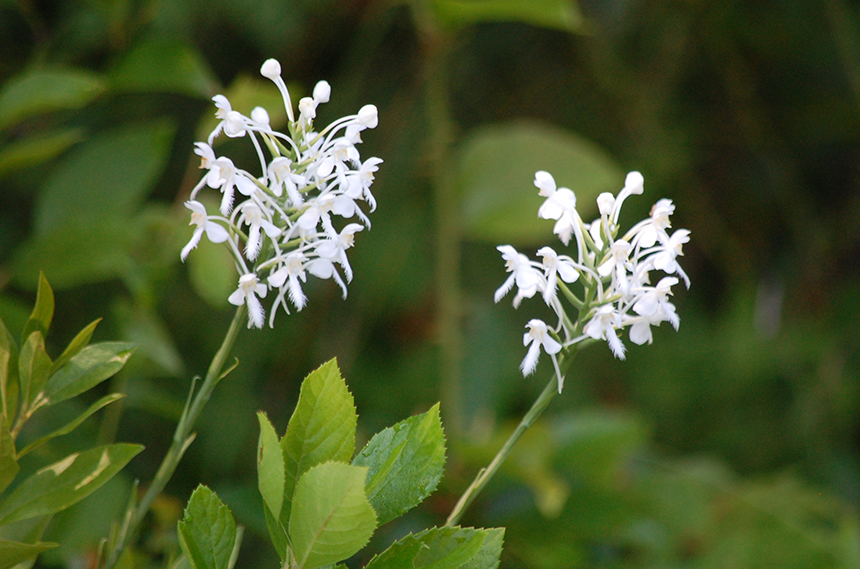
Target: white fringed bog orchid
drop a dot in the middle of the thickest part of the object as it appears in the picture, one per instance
(285, 218)
(614, 274)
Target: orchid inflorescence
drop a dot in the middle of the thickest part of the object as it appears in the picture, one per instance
(285, 220)
(615, 290)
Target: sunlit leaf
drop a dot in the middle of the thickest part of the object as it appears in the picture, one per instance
(321, 429)
(405, 464)
(497, 166)
(556, 14)
(164, 65)
(88, 368)
(44, 90)
(65, 482)
(331, 518)
(207, 532)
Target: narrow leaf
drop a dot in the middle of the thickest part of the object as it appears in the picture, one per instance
(321, 429)
(331, 518)
(34, 365)
(12, 552)
(405, 464)
(207, 532)
(43, 311)
(8, 459)
(278, 534)
(8, 374)
(76, 345)
(270, 466)
(72, 425)
(86, 369)
(441, 548)
(64, 483)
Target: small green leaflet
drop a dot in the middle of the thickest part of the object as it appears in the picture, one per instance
(207, 532)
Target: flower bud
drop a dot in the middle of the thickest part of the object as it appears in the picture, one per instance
(322, 92)
(271, 69)
(367, 116)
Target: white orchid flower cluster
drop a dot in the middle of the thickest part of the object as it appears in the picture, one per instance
(614, 274)
(286, 215)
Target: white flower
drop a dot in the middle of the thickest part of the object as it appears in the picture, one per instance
(253, 216)
(214, 231)
(602, 327)
(560, 205)
(281, 176)
(293, 274)
(665, 259)
(334, 250)
(555, 265)
(523, 274)
(538, 336)
(247, 293)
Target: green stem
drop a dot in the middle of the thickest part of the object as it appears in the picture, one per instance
(182, 437)
(485, 474)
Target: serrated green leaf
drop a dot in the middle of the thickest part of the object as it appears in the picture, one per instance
(331, 518)
(555, 14)
(405, 464)
(321, 429)
(44, 90)
(8, 374)
(77, 344)
(43, 311)
(37, 148)
(12, 552)
(108, 176)
(8, 458)
(72, 425)
(207, 532)
(496, 171)
(278, 534)
(34, 366)
(442, 548)
(58, 486)
(490, 553)
(86, 369)
(270, 466)
(164, 65)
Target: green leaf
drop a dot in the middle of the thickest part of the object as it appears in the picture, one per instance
(72, 425)
(555, 14)
(86, 369)
(321, 429)
(497, 166)
(164, 65)
(207, 532)
(77, 344)
(8, 374)
(443, 548)
(331, 518)
(270, 466)
(34, 366)
(44, 90)
(37, 148)
(64, 483)
(8, 459)
(81, 251)
(405, 464)
(43, 311)
(108, 176)
(12, 552)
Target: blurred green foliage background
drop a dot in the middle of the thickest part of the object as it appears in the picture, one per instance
(733, 443)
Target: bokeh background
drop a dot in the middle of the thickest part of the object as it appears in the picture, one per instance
(732, 443)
